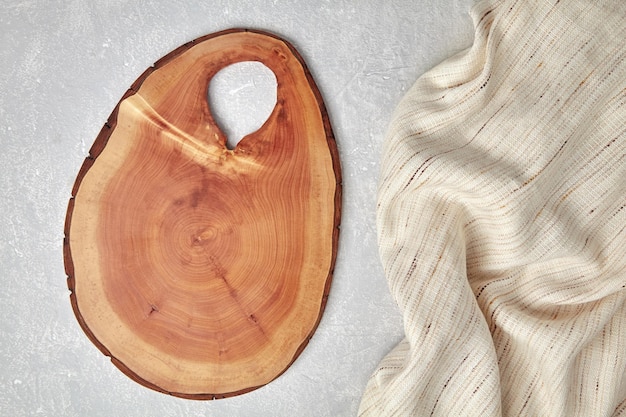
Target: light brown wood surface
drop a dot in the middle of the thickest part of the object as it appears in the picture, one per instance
(202, 271)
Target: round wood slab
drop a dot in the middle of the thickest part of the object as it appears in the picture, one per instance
(203, 271)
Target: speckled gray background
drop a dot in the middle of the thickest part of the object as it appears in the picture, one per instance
(65, 64)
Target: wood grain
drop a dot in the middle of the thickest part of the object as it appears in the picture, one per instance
(202, 271)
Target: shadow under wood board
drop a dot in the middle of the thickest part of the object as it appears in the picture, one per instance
(200, 270)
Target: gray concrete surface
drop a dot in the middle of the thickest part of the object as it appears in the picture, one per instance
(65, 64)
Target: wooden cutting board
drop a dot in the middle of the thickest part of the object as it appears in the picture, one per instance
(200, 270)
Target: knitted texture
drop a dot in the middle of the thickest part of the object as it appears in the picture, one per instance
(502, 221)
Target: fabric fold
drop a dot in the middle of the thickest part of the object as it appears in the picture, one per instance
(502, 221)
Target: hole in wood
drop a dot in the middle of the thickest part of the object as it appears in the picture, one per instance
(241, 97)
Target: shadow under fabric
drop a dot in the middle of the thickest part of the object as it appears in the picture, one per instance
(502, 221)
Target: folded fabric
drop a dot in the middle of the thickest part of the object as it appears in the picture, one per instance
(502, 221)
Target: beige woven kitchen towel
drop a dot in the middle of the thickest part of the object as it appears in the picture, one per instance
(502, 221)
